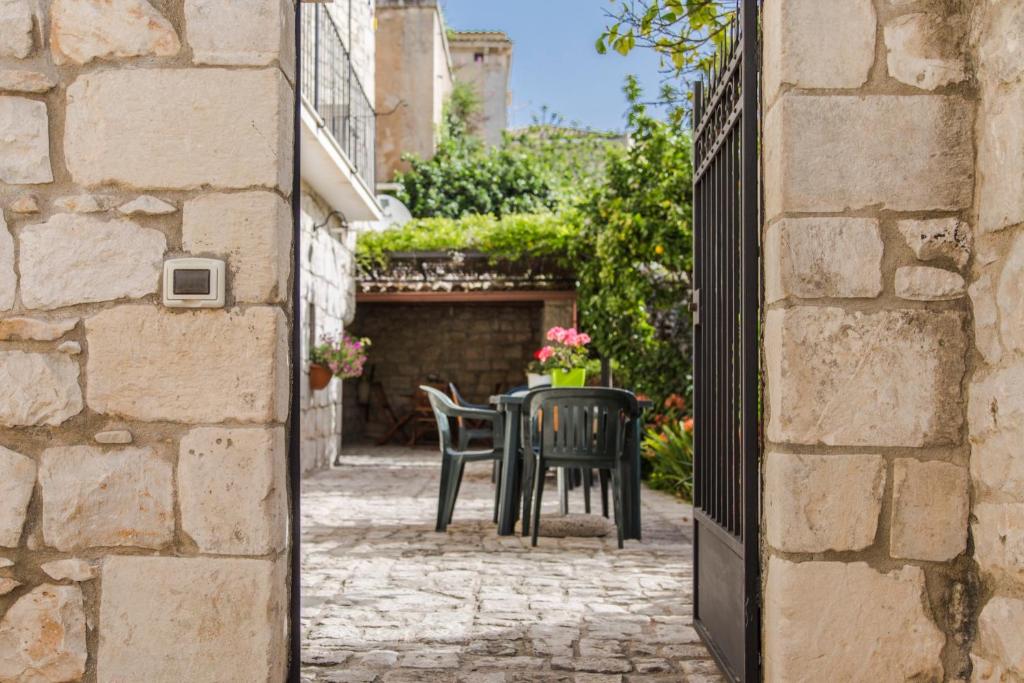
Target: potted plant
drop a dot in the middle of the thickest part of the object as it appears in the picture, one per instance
(538, 372)
(565, 357)
(336, 356)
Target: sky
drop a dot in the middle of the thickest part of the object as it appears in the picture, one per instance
(554, 62)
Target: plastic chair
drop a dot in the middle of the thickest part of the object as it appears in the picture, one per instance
(453, 462)
(576, 428)
(469, 430)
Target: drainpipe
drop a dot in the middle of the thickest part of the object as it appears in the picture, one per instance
(294, 465)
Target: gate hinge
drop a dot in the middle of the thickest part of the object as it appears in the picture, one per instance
(695, 306)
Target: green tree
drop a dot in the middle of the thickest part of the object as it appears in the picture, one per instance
(461, 110)
(634, 255)
(574, 157)
(684, 33)
(467, 177)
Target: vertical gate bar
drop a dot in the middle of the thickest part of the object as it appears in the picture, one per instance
(709, 334)
(698, 244)
(732, 246)
(723, 264)
(736, 314)
(706, 333)
(751, 352)
(728, 239)
(698, 345)
(716, 343)
(726, 287)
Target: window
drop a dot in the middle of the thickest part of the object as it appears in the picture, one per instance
(478, 57)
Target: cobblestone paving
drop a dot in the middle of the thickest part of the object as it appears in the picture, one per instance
(387, 599)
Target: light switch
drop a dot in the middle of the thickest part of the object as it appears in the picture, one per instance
(191, 281)
(194, 283)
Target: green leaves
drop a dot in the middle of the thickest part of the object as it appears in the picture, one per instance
(464, 179)
(633, 256)
(681, 32)
(669, 449)
(510, 238)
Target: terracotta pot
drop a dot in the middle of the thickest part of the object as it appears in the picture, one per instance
(319, 376)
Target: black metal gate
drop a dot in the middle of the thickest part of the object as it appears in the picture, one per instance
(727, 298)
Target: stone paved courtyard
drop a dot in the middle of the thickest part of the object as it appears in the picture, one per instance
(385, 598)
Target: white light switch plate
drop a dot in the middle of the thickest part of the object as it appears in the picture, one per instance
(194, 283)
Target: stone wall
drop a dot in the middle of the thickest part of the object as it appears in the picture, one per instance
(869, 166)
(476, 346)
(328, 305)
(143, 498)
(995, 417)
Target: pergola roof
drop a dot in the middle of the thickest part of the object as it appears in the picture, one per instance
(440, 272)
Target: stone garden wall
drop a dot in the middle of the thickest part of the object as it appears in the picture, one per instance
(476, 346)
(143, 508)
(893, 164)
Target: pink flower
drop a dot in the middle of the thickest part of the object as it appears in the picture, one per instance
(545, 353)
(557, 334)
(582, 339)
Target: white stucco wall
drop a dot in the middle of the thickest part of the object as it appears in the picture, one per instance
(328, 305)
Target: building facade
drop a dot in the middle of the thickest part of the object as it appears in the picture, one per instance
(338, 156)
(484, 60)
(414, 78)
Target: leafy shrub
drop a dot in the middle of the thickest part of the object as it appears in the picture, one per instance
(669, 450)
(465, 177)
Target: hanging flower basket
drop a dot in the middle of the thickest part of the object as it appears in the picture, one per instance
(319, 376)
(336, 356)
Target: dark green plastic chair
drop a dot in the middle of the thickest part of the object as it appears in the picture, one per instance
(576, 428)
(469, 430)
(453, 462)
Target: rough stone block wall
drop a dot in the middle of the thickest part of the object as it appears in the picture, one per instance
(328, 304)
(869, 166)
(476, 346)
(995, 417)
(143, 509)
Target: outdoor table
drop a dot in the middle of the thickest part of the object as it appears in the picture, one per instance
(510, 499)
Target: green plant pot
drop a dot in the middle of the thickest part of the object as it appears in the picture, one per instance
(577, 377)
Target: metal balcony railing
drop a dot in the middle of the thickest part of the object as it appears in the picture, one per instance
(331, 86)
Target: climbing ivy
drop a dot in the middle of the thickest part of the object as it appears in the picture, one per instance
(513, 237)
